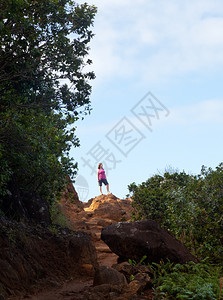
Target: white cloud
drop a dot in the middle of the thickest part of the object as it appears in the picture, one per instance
(155, 39)
(207, 112)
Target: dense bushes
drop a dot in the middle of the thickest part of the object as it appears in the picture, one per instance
(189, 206)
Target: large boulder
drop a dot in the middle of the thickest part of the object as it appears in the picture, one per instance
(133, 240)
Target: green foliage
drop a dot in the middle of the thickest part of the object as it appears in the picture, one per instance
(5, 173)
(134, 263)
(151, 197)
(43, 90)
(190, 207)
(57, 217)
(189, 281)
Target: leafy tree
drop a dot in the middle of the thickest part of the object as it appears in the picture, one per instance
(151, 197)
(44, 89)
(189, 206)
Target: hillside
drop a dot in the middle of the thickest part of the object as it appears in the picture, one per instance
(75, 261)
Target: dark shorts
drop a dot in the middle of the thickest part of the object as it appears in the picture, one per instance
(102, 180)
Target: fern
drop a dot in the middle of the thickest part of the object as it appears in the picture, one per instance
(190, 281)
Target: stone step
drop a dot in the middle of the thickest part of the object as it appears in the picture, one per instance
(104, 249)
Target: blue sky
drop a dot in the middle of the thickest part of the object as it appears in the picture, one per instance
(157, 98)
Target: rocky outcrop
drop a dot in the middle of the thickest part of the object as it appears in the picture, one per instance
(109, 207)
(34, 254)
(72, 208)
(70, 195)
(98, 212)
(133, 240)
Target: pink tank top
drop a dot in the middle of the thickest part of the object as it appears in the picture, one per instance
(101, 174)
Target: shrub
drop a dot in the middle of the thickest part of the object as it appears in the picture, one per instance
(189, 281)
(188, 206)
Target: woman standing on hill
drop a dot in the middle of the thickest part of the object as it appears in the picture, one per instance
(102, 178)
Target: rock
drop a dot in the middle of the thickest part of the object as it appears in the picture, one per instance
(133, 240)
(70, 203)
(104, 291)
(109, 275)
(71, 195)
(125, 268)
(87, 204)
(142, 278)
(73, 209)
(80, 225)
(139, 283)
(128, 270)
(137, 286)
(87, 269)
(30, 254)
(104, 222)
(110, 207)
(126, 205)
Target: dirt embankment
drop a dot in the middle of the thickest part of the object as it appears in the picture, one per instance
(40, 264)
